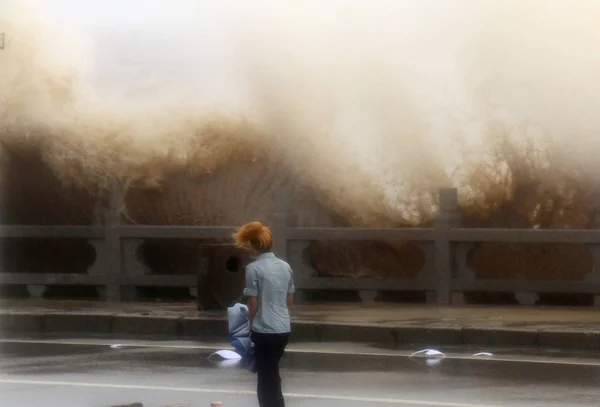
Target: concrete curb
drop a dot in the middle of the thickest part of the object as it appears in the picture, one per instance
(15, 324)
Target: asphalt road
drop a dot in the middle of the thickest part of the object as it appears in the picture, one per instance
(96, 375)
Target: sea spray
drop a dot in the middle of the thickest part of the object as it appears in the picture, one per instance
(371, 105)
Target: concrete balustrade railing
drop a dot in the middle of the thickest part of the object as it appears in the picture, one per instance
(445, 276)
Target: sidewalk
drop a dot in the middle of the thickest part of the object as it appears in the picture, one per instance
(383, 325)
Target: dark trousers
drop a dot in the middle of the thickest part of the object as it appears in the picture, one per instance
(268, 350)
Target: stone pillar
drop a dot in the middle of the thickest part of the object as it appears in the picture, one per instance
(280, 223)
(428, 272)
(594, 275)
(448, 217)
(112, 243)
(99, 267)
(201, 272)
(301, 266)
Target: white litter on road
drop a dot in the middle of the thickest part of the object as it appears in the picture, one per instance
(432, 357)
(429, 352)
(224, 358)
(225, 355)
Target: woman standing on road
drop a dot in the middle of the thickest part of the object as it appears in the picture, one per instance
(270, 289)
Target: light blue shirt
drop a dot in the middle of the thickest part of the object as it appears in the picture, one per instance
(270, 280)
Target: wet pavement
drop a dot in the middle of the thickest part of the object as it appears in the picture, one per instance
(344, 313)
(156, 374)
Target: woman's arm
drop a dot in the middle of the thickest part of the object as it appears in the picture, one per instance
(252, 307)
(251, 291)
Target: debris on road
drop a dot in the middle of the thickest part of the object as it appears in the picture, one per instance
(486, 354)
(429, 352)
(432, 357)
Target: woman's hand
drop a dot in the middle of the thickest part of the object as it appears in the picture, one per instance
(252, 308)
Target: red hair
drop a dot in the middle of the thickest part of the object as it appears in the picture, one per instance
(255, 235)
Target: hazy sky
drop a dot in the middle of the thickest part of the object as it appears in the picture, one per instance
(126, 12)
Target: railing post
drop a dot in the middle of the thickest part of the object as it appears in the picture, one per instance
(594, 275)
(448, 217)
(202, 285)
(280, 223)
(112, 243)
